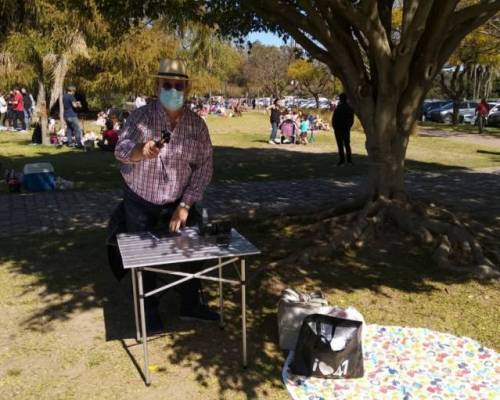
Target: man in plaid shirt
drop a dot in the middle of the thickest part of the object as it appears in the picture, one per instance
(166, 157)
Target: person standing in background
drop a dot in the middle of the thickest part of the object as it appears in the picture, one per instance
(3, 111)
(482, 111)
(18, 107)
(275, 119)
(10, 110)
(27, 107)
(71, 118)
(342, 121)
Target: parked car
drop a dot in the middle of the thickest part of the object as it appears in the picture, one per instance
(494, 116)
(431, 105)
(445, 113)
(263, 101)
(471, 117)
(324, 104)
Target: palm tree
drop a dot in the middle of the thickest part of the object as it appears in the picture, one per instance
(49, 64)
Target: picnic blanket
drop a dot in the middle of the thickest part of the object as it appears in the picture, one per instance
(409, 364)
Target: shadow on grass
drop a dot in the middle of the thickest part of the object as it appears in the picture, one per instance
(97, 170)
(493, 153)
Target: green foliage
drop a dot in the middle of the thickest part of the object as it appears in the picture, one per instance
(266, 68)
(124, 65)
(313, 77)
(212, 60)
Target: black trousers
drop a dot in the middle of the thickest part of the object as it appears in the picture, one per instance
(19, 116)
(140, 216)
(343, 138)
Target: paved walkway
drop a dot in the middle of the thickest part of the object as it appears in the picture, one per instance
(474, 190)
(468, 137)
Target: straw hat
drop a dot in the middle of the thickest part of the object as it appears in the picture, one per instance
(172, 69)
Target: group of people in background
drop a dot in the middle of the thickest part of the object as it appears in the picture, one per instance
(218, 106)
(204, 106)
(16, 110)
(72, 133)
(294, 126)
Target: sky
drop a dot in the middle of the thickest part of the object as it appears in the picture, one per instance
(265, 38)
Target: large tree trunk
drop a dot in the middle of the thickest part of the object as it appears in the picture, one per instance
(43, 112)
(386, 144)
(316, 97)
(456, 112)
(455, 89)
(387, 162)
(61, 112)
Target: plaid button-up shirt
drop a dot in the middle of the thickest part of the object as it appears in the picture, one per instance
(183, 168)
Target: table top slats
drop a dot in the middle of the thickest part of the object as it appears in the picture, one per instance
(146, 249)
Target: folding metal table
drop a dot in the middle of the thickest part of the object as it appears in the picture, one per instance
(146, 251)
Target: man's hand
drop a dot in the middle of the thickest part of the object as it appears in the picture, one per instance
(179, 219)
(150, 150)
(145, 151)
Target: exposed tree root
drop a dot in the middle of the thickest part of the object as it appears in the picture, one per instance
(455, 247)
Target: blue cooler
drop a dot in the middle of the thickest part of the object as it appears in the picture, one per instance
(39, 177)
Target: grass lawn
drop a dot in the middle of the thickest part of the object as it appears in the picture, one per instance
(66, 323)
(243, 154)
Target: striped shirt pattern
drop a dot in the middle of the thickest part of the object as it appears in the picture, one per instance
(183, 168)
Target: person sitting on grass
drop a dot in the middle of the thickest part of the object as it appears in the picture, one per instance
(321, 125)
(109, 137)
(115, 119)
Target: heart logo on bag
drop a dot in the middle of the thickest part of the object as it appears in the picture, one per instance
(325, 369)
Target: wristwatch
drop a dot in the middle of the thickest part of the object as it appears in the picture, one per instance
(184, 205)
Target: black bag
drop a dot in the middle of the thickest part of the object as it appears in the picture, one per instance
(117, 224)
(329, 347)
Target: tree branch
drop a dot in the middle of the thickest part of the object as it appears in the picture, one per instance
(297, 24)
(485, 7)
(415, 15)
(385, 13)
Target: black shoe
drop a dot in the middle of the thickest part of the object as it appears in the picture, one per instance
(340, 164)
(350, 162)
(154, 324)
(200, 313)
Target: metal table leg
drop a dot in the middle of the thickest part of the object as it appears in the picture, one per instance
(221, 297)
(244, 312)
(133, 273)
(143, 329)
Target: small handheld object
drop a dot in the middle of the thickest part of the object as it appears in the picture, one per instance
(165, 138)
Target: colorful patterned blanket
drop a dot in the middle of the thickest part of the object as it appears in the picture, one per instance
(409, 364)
